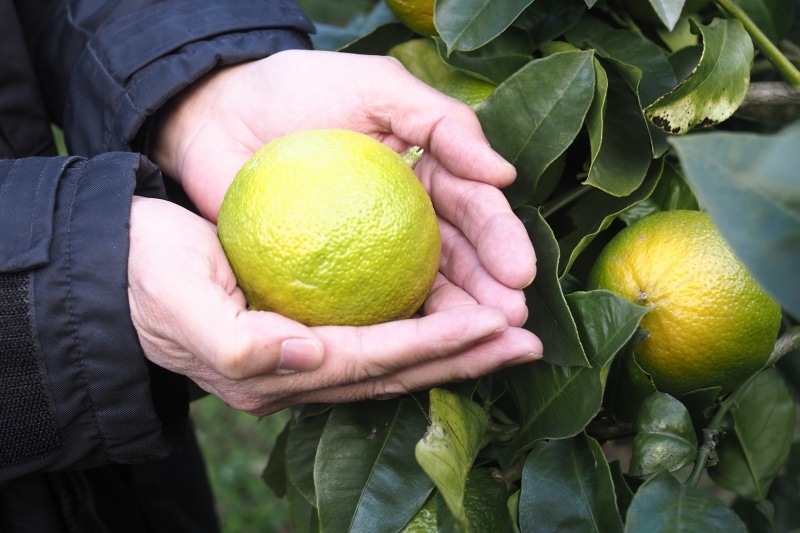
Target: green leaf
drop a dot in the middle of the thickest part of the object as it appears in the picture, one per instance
(545, 20)
(596, 210)
(761, 441)
(618, 134)
(535, 115)
(274, 474)
(622, 490)
(669, 11)
(485, 504)
(665, 437)
(469, 24)
(376, 28)
(640, 61)
(365, 473)
(558, 402)
(301, 451)
(495, 61)
(628, 384)
(457, 432)
(671, 193)
(663, 505)
(773, 17)
(567, 486)
(421, 58)
(380, 40)
(748, 184)
(302, 514)
(549, 316)
(716, 88)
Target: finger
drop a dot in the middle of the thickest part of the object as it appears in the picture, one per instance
(513, 347)
(485, 218)
(460, 264)
(444, 294)
(359, 354)
(420, 115)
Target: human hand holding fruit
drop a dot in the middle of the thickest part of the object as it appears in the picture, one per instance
(217, 125)
(471, 317)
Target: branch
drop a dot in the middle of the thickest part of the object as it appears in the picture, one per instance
(771, 93)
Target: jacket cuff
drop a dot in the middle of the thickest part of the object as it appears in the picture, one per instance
(105, 402)
(132, 66)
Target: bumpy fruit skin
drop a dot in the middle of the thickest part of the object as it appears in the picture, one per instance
(330, 227)
(416, 14)
(467, 89)
(711, 324)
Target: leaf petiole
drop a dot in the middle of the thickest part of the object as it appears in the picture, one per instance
(786, 343)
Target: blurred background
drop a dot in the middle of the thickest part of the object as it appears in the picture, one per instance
(237, 445)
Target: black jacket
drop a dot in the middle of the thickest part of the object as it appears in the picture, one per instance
(76, 391)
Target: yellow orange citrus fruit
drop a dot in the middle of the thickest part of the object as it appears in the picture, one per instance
(330, 227)
(711, 323)
(468, 89)
(416, 14)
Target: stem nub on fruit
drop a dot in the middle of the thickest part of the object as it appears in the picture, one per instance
(413, 155)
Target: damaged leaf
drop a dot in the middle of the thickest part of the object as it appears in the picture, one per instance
(715, 88)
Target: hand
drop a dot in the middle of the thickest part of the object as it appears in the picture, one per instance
(191, 318)
(216, 126)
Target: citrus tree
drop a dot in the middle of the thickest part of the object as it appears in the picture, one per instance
(611, 111)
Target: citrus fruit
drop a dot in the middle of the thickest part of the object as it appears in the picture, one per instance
(416, 14)
(330, 227)
(711, 324)
(466, 88)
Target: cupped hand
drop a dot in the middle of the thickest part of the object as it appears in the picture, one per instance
(192, 319)
(214, 127)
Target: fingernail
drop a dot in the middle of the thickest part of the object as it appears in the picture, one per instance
(299, 355)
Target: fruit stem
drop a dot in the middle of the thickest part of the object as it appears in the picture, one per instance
(789, 342)
(413, 155)
(789, 72)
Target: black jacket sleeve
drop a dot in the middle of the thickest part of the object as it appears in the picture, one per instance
(108, 65)
(75, 388)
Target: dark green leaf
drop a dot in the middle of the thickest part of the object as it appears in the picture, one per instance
(558, 402)
(668, 11)
(618, 135)
(274, 474)
(748, 184)
(716, 87)
(622, 490)
(301, 452)
(469, 24)
(367, 26)
(750, 458)
(495, 61)
(628, 384)
(302, 514)
(664, 505)
(595, 211)
(567, 486)
(380, 40)
(671, 193)
(535, 115)
(365, 473)
(457, 431)
(547, 19)
(549, 316)
(773, 17)
(665, 437)
(641, 62)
